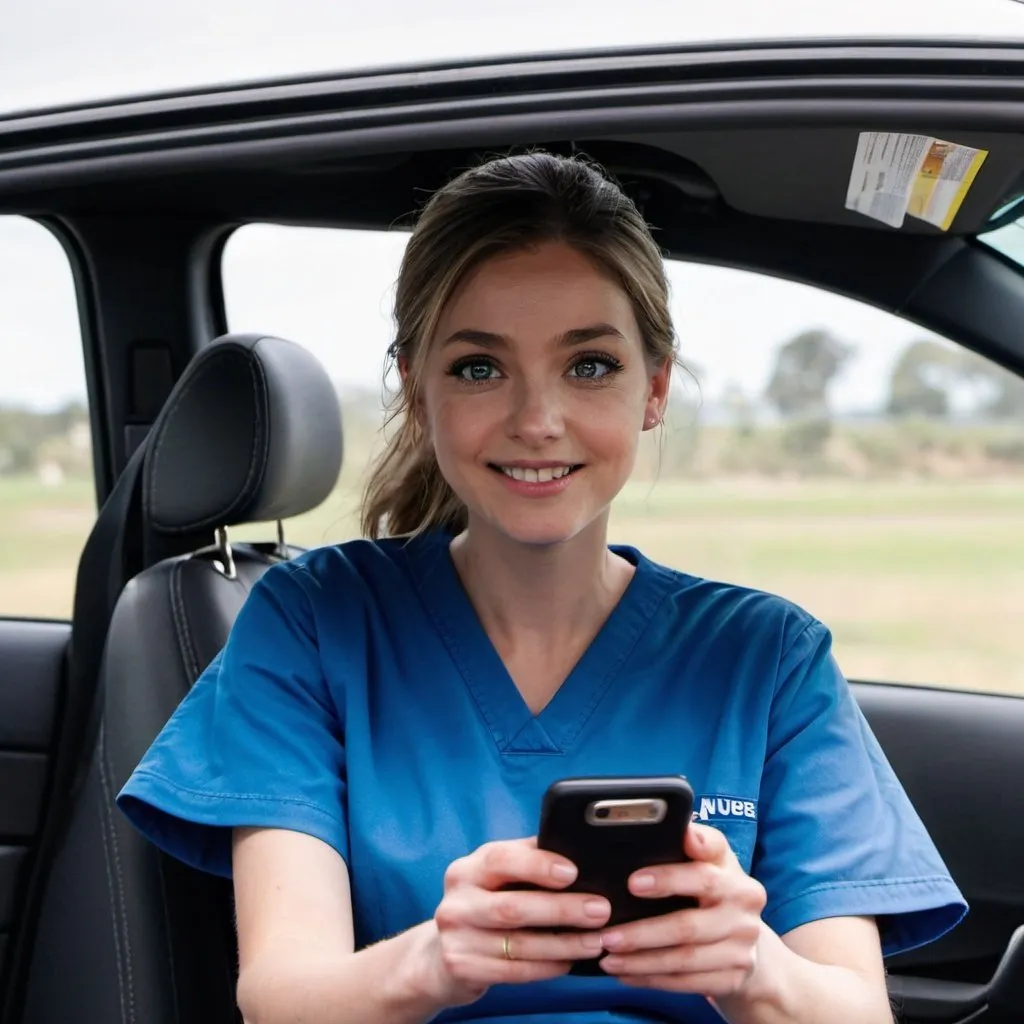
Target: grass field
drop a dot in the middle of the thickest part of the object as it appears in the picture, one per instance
(920, 582)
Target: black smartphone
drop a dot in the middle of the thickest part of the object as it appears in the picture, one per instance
(611, 827)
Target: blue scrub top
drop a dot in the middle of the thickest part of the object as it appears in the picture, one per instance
(360, 700)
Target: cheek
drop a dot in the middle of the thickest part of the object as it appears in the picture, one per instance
(611, 422)
(457, 425)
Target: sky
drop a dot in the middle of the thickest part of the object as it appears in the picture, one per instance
(69, 51)
(330, 290)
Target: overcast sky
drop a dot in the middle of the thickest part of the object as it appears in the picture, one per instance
(66, 51)
(331, 290)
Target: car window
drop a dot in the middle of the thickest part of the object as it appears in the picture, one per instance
(47, 496)
(1008, 239)
(817, 447)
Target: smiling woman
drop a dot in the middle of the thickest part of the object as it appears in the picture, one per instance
(515, 292)
(512, 644)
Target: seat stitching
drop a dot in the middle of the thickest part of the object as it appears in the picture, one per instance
(170, 937)
(105, 772)
(110, 884)
(181, 629)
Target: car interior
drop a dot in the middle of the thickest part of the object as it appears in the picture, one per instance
(739, 156)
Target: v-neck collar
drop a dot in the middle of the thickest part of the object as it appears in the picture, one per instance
(516, 730)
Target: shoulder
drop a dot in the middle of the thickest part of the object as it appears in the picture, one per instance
(345, 594)
(347, 573)
(732, 612)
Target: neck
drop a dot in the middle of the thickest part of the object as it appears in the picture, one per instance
(526, 594)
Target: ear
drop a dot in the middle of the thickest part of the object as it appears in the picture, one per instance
(657, 394)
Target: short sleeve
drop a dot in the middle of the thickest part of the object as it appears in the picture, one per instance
(837, 834)
(258, 741)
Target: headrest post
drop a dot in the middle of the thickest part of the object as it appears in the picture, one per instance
(226, 565)
(282, 544)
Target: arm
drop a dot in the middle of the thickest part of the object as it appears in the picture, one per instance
(829, 970)
(296, 944)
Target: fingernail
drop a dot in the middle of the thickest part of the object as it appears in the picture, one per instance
(596, 908)
(612, 939)
(611, 963)
(592, 942)
(564, 872)
(642, 883)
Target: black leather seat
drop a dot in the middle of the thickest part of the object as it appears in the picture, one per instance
(123, 934)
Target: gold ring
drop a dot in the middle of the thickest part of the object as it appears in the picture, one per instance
(506, 947)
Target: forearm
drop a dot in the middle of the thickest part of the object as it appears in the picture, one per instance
(383, 982)
(787, 988)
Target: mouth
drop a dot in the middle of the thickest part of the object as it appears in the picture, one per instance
(538, 475)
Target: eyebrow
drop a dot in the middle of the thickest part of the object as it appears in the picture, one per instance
(570, 338)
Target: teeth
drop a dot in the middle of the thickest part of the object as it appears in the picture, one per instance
(535, 476)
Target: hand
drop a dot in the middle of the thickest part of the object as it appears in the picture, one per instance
(483, 931)
(711, 949)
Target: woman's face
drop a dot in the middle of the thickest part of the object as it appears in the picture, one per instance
(535, 390)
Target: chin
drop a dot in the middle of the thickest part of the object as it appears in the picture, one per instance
(538, 534)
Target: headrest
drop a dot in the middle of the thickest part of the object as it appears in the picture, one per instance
(250, 433)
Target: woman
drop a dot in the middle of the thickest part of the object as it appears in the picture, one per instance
(368, 754)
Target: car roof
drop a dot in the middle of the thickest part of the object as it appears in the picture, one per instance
(769, 130)
(117, 50)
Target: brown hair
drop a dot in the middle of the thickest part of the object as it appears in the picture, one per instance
(504, 205)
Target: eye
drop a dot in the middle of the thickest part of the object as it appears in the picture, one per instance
(474, 370)
(594, 367)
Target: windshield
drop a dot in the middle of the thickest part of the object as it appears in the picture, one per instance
(57, 52)
(1009, 238)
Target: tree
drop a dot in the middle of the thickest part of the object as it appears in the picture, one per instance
(929, 375)
(1002, 391)
(804, 369)
(740, 408)
(922, 380)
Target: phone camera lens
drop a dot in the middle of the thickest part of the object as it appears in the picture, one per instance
(601, 812)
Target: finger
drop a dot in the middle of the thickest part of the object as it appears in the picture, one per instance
(549, 946)
(517, 860)
(513, 909)
(707, 882)
(473, 968)
(704, 881)
(704, 843)
(681, 928)
(716, 985)
(719, 957)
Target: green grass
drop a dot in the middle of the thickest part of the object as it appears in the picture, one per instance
(920, 581)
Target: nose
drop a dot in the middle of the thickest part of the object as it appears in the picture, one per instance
(535, 415)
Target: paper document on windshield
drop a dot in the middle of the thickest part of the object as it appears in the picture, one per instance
(895, 175)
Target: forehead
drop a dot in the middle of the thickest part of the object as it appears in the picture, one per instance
(552, 286)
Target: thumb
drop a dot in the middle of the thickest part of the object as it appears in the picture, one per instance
(704, 843)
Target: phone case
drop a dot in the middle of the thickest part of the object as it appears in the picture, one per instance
(607, 854)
